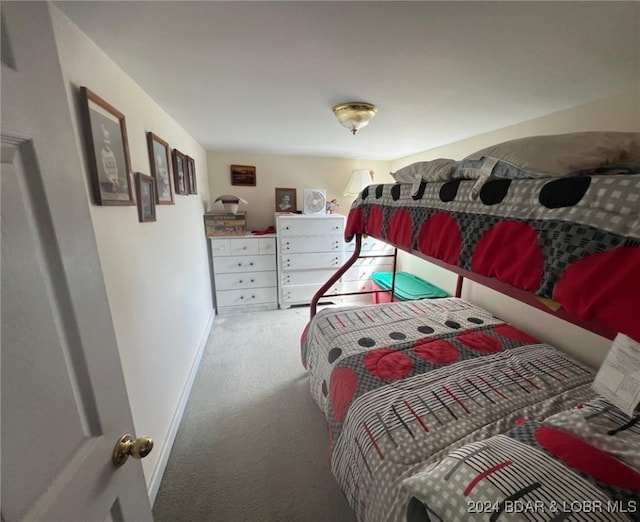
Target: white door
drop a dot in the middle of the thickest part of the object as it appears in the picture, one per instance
(64, 403)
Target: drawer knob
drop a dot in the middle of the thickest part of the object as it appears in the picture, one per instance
(252, 281)
(251, 264)
(253, 297)
(240, 281)
(286, 228)
(239, 264)
(241, 297)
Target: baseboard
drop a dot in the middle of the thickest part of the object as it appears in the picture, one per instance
(158, 472)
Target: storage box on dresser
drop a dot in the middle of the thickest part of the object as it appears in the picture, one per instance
(358, 277)
(310, 250)
(244, 271)
(218, 224)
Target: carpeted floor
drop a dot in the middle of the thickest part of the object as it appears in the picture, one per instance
(252, 445)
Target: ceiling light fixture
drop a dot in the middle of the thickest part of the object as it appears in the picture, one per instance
(355, 115)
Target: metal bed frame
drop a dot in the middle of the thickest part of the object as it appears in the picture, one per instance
(503, 288)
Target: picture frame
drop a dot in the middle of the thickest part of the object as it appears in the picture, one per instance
(179, 172)
(105, 132)
(286, 200)
(243, 175)
(192, 183)
(146, 195)
(160, 163)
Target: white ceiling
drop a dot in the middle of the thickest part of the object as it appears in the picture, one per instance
(263, 76)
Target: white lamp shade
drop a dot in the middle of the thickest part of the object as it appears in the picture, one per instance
(360, 178)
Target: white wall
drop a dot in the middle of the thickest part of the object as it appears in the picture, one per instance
(156, 274)
(621, 113)
(297, 172)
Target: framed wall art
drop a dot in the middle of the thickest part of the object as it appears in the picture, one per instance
(160, 168)
(179, 172)
(146, 193)
(108, 150)
(243, 175)
(192, 184)
(286, 200)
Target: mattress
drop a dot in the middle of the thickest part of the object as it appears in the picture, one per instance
(575, 240)
(404, 384)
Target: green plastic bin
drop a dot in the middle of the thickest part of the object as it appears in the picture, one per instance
(408, 287)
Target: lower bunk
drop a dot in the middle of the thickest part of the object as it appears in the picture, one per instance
(438, 410)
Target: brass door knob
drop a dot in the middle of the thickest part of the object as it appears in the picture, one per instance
(126, 447)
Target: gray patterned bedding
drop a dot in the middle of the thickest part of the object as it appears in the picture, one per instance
(575, 240)
(579, 464)
(403, 385)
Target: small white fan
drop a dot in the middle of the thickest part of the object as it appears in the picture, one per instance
(315, 201)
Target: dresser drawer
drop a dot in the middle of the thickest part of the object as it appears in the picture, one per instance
(315, 244)
(317, 226)
(267, 245)
(247, 296)
(370, 244)
(381, 264)
(310, 261)
(304, 293)
(363, 272)
(240, 280)
(243, 246)
(248, 245)
(220, 247)
(222, 265)
(306, 277)
(357, 286)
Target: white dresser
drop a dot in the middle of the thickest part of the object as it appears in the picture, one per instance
(244, 271)
(358, 277)
(310, 250)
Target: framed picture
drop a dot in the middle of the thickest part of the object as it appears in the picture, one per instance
(179, 172)
(160, 168)
(108, 151)
(243, 175)
(146, 192)
(192, 185)
(286, 200)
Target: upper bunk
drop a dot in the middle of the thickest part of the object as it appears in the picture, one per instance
(545, 217)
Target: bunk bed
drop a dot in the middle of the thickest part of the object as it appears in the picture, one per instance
(436, 409)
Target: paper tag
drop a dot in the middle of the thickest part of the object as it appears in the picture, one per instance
(618, 379)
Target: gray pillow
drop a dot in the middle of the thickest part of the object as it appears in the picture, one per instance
(565, 154)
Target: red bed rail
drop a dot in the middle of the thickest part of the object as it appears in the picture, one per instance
(503, 288)
(357, 254)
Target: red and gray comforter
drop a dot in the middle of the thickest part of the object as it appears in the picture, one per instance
(404, 384)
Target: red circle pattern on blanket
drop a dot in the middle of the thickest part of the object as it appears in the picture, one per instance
(440, 237)
(388, 364)
(601, 286)
(587, 458)
(344, 383)
(401, 229)
(510, 252)
(617, 274)
(480, 342)
(511, 332)
(436, 351)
